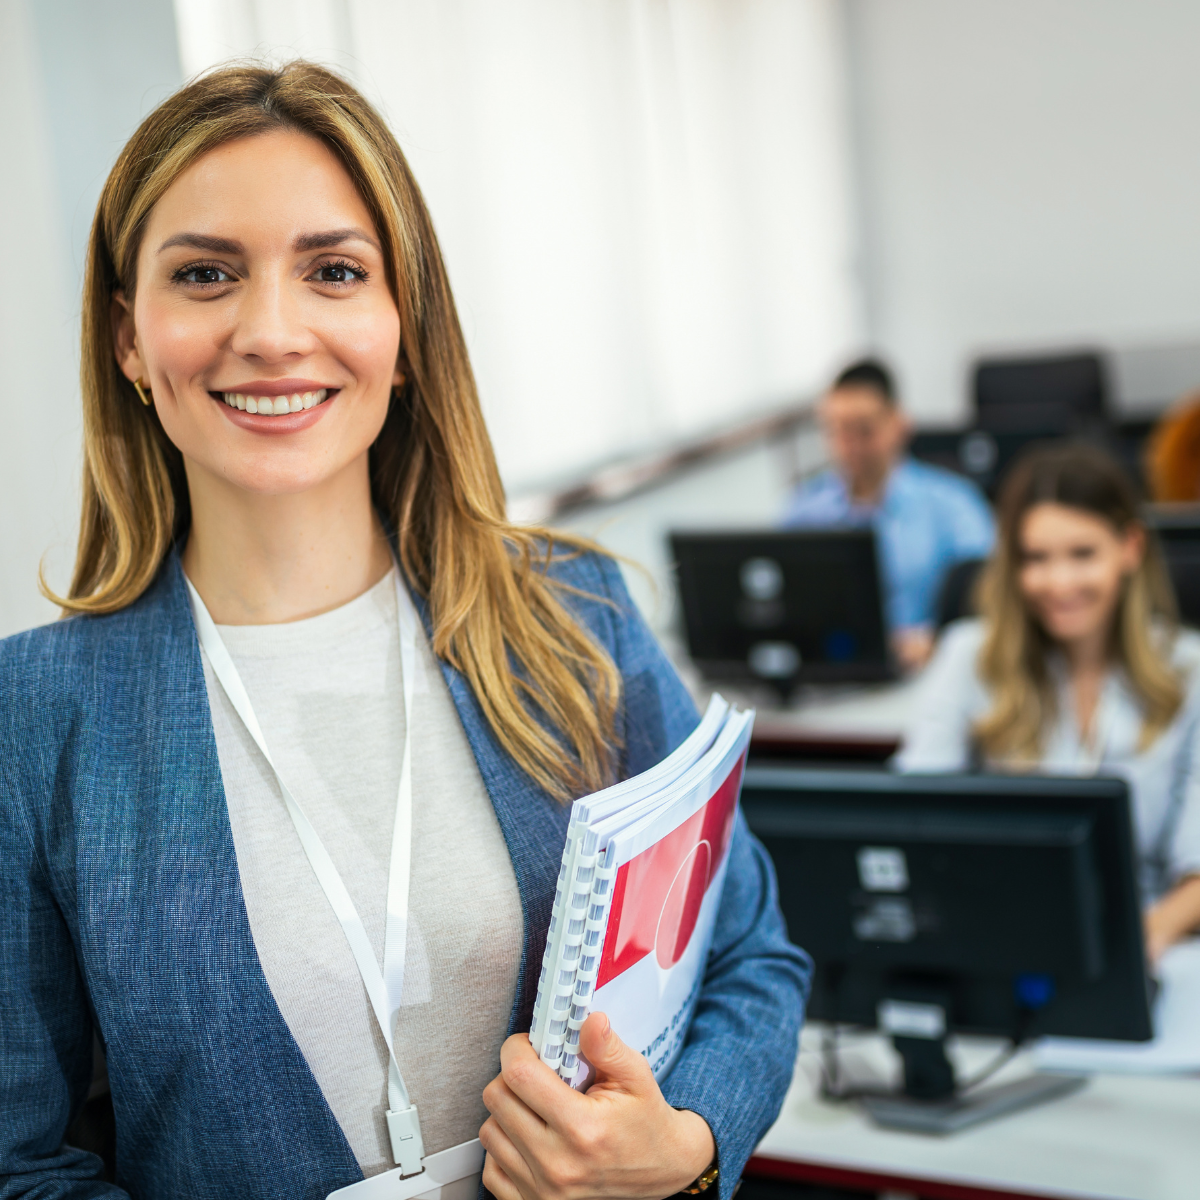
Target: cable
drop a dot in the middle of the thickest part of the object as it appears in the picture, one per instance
(832, 1088)
(1001, 1060)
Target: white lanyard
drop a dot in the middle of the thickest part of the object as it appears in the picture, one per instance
(383, 987)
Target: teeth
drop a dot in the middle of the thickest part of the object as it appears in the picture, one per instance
(264, 405)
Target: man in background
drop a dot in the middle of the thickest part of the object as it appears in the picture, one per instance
(926, 519)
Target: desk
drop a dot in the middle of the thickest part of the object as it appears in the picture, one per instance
(856, 723)
(1119, 1138)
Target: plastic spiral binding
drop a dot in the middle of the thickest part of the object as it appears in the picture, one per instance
(552, 1005)
(590, 952)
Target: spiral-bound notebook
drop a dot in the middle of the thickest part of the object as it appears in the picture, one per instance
(642, 870)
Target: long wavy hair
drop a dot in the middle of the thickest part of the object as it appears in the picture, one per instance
(1013, 658)
(548, 690)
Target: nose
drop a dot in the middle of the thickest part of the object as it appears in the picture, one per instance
(1062, 578)
(270, 326)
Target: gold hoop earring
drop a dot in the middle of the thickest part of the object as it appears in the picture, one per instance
(137, 387)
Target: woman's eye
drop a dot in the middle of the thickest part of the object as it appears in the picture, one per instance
(338, 273)
(204, 275)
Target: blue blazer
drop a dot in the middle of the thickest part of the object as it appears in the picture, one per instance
(121, 913)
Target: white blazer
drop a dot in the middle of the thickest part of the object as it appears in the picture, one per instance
(1164, 780)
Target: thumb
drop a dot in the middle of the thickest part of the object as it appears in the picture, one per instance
(615, 1063)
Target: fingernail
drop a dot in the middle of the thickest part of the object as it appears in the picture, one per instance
(607, 1030)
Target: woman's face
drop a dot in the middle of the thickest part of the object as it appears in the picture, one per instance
(1073, 564)
(261, 290)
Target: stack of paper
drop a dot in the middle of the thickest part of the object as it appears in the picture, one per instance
(638, 891)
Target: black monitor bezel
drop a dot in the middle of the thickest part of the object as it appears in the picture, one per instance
(1104, 797)
(872, 670)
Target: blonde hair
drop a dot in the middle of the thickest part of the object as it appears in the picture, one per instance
(549, 692)
(1013, 658)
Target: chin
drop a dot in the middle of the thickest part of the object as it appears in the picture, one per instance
(1069, 631)
(274, 478)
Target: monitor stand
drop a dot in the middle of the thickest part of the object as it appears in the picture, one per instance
(930, 1103)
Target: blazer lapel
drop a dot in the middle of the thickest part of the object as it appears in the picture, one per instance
(173, 953)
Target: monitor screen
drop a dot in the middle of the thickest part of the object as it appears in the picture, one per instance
(1051, 395)
(1009, 900)
(785, 606)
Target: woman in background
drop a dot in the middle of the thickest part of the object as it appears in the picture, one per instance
(285, 455)
(1077, 665)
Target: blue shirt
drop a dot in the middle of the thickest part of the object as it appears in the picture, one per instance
(929, 520)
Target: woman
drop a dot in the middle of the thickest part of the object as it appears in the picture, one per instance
(278, 411)
(1077, 666)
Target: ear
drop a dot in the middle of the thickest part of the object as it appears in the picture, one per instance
(400, 374)
(125, 346)
(1133, 547)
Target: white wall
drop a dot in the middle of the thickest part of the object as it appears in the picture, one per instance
(1030, 176)
(77, 78)
(39, 454)
(643, 204)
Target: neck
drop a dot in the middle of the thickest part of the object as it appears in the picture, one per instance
(868, 488)
(262, 559)
(1089, 654)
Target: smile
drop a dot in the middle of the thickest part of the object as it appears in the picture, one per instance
(275, 406)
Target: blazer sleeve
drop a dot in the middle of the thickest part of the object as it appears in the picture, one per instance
(740, 1051)
(46, 1025)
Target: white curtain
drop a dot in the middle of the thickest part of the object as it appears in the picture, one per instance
(643, 204)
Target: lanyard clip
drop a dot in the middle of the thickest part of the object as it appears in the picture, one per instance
(404, 1128)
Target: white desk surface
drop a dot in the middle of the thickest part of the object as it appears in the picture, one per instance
(863, 711)
(1120, 1138)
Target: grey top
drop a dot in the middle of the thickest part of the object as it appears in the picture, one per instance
(328, 694)
(1164, 780)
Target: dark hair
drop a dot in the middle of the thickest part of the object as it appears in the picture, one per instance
(1013, 658)
(868, 373)
(1074, 474)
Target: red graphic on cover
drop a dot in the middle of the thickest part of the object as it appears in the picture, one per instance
(657, 894)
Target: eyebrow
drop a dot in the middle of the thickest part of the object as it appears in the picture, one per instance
(307, 241)
(332, 237)
(203, 241)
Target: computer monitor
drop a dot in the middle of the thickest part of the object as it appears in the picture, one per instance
(1048, 395)
(783, 606)
(989, 904)
(1178, 529)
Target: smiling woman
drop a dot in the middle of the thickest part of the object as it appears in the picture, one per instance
(317, 706)
(1078, 665)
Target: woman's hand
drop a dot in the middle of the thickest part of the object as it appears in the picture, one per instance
(545, 1141)
(1175, 916)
